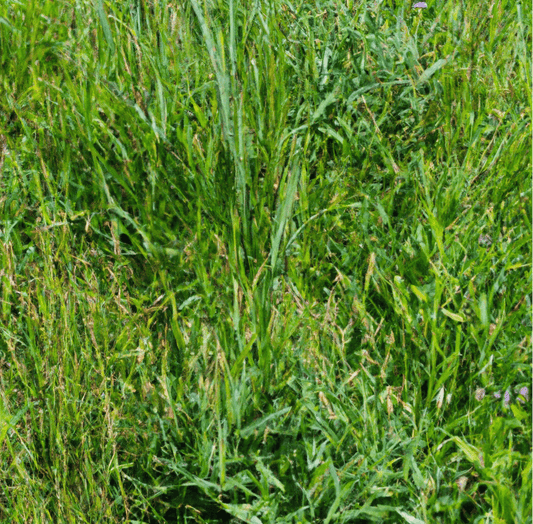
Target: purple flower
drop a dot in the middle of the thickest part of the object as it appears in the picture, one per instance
(480, 394)
(524, 395)
(507, 398)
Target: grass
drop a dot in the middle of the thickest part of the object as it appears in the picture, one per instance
(265, 261)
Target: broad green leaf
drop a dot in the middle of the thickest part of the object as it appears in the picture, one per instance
(262, 422)
(428, 73)
(472, 453)
(453, 316)
(410, 519)
(105, 25)
(420, 294)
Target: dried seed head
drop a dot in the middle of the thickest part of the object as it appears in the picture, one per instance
(461, 483)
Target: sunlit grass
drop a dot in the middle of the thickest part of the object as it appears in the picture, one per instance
(265, 262)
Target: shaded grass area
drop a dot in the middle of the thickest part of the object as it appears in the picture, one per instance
(265, 262)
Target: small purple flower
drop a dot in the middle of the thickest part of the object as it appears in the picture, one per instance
(480, 394)
(497, 395)
(523, 395)
(420, 5)
(507, 398)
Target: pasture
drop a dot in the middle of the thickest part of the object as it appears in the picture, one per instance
(265, 261)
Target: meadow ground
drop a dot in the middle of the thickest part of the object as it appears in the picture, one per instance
(265, 261)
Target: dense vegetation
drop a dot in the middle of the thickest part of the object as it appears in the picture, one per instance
(265, 261)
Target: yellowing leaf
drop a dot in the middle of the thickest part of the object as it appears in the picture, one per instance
(421, 295)
(453, 316)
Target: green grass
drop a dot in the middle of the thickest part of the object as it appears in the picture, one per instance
(265, 261)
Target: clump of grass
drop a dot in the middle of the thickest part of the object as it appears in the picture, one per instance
(265, 262)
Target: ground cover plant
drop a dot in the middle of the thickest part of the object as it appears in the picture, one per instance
(265, 261)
